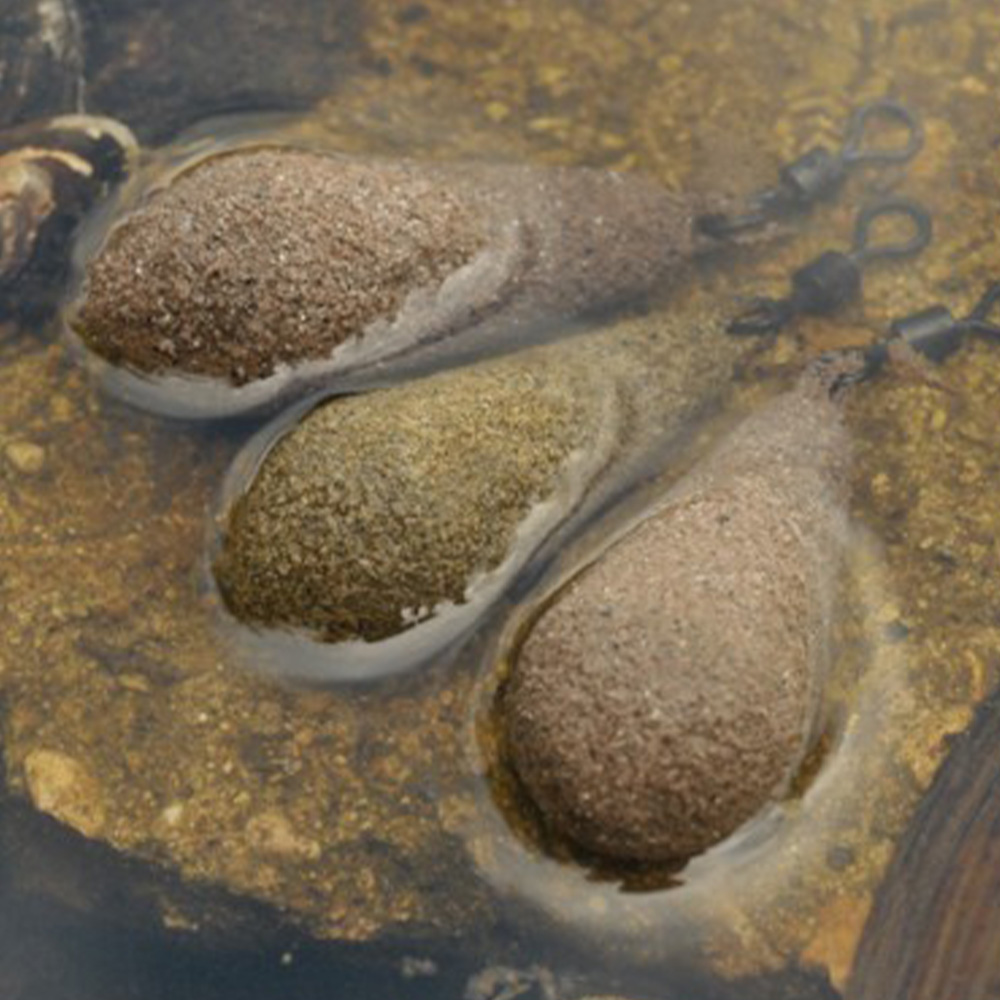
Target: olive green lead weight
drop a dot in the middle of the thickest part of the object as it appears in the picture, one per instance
(669, 691)
(402, 512)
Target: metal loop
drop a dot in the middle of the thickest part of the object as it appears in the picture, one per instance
(847, 367)
(819, 173)
(923, 230)
(718, 226)
(852, 151)
(762, 316)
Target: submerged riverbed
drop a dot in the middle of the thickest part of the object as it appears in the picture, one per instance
(219, 835)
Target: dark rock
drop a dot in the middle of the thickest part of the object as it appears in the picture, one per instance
(933, 931)
(41, 60)
(51, 173)
(259, 260)
(165, 64)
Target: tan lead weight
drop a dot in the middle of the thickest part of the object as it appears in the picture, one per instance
(261, 272)
(670, 691)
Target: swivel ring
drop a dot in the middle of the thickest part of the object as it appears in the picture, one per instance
(854, 154)
(923, 230)
(761, 317)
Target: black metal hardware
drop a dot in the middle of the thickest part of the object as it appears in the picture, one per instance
(818, 174)
(834, 278)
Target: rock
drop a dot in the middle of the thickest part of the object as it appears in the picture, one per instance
(670, 690)
(166, 64)
(26, 457)
(59, 785)
(415, 505)
(41, 59)
(170, 63)
(259, 272)
(933, 928)
(52, 172)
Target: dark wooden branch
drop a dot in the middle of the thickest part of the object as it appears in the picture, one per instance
(934, 932)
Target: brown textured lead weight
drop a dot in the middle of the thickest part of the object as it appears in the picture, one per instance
(260, 272)
(669, 691)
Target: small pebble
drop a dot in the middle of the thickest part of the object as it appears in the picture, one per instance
(26, 457)
(62, 787)
(173, 814)
(272, 833)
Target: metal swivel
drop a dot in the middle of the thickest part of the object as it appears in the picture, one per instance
(834, 278)
(818, 174)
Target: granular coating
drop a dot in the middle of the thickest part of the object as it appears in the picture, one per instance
(669, 691)
(263, 258)
(375, 509)
(250, 261)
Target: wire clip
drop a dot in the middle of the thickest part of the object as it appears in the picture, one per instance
(834, 278)
(818, 174)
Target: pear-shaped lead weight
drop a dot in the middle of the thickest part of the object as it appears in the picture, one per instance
(385, 522)
(669, 691)
(257, 273)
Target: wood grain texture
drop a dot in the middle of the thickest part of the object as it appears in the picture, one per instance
(934, 932)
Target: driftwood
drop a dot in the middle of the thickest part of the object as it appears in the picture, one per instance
(934, 932)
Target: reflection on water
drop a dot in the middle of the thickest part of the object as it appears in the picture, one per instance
(68, 934)
(253, 819)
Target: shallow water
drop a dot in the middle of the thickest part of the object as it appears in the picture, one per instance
(268, 842)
